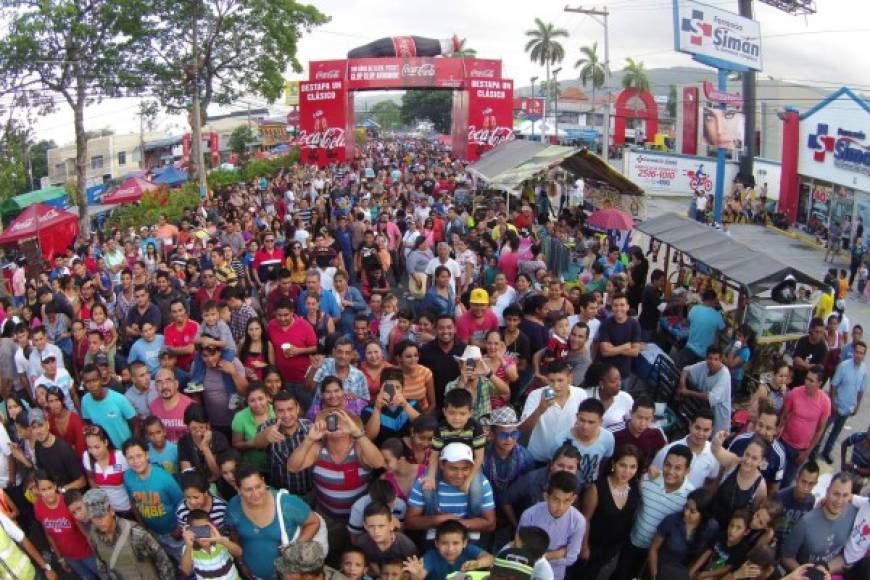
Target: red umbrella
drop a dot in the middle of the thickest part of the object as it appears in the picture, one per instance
(54, 228)
(611, 219)
(131, 190)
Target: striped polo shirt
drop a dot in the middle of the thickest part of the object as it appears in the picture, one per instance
(655, 505)
(214, 564)
(339, 485)
(451, 501)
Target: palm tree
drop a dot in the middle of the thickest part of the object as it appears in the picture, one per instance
(635, 76)
(465, 51)
(543, 48)
(591, 71)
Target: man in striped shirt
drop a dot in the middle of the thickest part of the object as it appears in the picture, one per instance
(661, 496)
(449, 501)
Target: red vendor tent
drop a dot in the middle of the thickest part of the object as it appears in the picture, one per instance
(129, 191)
(54, 228)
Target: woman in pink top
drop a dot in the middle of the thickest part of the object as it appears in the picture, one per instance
(400, 473)
(804, 417)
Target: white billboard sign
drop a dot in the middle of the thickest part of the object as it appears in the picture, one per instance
(717, 37)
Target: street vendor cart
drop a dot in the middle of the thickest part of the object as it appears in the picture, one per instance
(742, 278)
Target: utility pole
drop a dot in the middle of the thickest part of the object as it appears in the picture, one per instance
(600, 16)
(556, 103)
(746, 162)
(196, 138)
(141, 135)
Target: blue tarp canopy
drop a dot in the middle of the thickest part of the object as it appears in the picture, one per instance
(171, 176)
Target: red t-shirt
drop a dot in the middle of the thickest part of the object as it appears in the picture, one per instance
(61, 526)
(301, 335)
(469, 329)
(173, 421)
(180, 338)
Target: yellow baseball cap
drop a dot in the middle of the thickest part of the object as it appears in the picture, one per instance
(479, 296)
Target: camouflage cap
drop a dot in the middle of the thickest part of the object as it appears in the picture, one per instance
(300, 557)
(97, 502)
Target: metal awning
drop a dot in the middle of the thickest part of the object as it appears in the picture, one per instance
(512, 162)
(755, 271)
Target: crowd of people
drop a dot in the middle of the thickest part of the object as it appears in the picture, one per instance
(371, 371)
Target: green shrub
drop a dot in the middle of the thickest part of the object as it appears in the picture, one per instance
(171, 202)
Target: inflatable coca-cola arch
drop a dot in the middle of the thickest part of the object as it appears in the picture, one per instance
(482, 99)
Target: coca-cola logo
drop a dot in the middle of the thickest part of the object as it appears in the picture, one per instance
(482, 73)
(327, 74)
(491, 137)
(423, 70)
(330, 138)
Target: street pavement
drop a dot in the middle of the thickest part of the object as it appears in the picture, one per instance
(806, 258)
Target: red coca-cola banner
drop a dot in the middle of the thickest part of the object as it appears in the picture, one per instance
(482, 105)
(490, 114)
(327, 70)
(323, 121)
(402, 73)
(482, 68)
(690, 121)
(531, 107)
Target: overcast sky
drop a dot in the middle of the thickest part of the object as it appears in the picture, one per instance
(827, 49)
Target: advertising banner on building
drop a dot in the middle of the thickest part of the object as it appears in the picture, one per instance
(723, 128)
(674, 175)
(490, 114)
(323, 123)
(291, 93)
(834, 141)
(402, 73)
(532, 108)
(717, 37)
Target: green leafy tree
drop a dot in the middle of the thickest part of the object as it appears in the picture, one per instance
(465, 51)
(543, 46)
(13, 167)
(244, 47)
(431, 105)
(635, 76)
(39, 159)
(591, 68)
(71, 52)
(241, 140)
(672, 102)
(387, 114)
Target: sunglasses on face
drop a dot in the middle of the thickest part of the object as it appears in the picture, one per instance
(504, 436)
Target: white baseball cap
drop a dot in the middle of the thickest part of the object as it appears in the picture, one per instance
(455, 452)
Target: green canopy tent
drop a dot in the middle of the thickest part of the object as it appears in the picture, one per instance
(53, 196)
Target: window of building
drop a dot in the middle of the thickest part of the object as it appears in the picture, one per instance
(97, 162)
(122, 158)
(60, 170)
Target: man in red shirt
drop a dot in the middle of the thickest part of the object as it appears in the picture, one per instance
(294, 342)
(267, 259)
(210, 289)
(179, 336)
(170, 407)
(478, 320)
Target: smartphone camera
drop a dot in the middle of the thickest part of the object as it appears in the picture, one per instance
(390, 390)
(332, 423)
(549, 393)
(201, 532)
(471, 364)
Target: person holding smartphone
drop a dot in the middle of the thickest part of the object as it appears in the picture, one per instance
(391, 414)
(206, 549)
